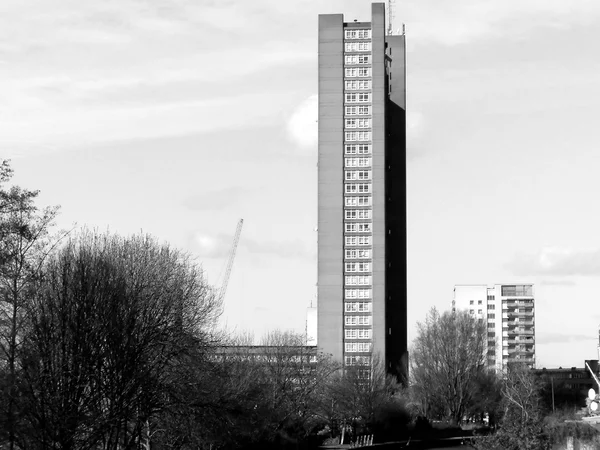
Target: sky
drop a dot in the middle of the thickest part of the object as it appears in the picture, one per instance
(178, 118)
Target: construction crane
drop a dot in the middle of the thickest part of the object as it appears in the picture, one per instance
(230, 259)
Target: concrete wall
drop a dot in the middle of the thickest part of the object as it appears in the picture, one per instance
(378, 189)
(330, 198)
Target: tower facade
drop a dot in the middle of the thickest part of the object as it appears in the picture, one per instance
(362, 192)
(509, 313)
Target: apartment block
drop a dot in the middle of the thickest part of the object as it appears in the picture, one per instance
(509, 313)
(362, 192)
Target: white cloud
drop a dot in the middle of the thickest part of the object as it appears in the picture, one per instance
(558, 261)
(302, 126)
(462, 21)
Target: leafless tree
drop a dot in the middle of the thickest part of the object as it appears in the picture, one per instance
(448, 356)
(112, 320)
(25, 240)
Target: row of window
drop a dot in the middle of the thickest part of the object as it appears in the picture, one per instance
(358, 227)
(360, 110)
(360, 175)
(355, 347)
(357, 72)
(357, 240)
(357, 188)
(491, 307)
(357, 59)
(357, 360)
(353, 136)
(358, 267)
(356, 253)
(357, 85)
(357, 47)
(357, 293)
(357, 97)
(357, 307)
(357, 123)
(357, 214)
(357, 320)
(357, 33)
(479, 302)
(358, 333)
(357, 162)
(358, 280)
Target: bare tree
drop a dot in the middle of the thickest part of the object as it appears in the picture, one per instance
(522, 425)
(25, 241)
(447, 358)
(112, 319)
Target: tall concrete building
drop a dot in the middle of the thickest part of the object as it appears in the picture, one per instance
(362, 192)
(509, 312)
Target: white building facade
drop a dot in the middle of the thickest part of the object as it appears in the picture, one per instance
(509, 313)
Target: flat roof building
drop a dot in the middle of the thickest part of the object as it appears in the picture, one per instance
(362, 192)
(509, 312)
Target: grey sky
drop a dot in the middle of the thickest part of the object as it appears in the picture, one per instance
(179, 118)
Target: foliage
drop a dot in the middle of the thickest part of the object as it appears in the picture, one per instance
(447, 362)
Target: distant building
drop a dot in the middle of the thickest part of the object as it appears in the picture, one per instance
(509, 313)
(362, 192)
(567, 387)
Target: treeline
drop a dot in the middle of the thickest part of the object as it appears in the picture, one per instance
(109, 342)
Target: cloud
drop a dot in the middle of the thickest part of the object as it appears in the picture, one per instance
(214, 200)
(557, 283)
(302, 126)
(210, 246)
(283, 249)
(464, 21)
(560, 338)
(557, 262)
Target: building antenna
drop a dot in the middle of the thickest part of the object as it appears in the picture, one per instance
(390, 16)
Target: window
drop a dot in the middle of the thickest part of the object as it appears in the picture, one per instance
(357, 149)
(491, 316)
(360, 188)
(357, 47)
(363, 240)
(351, 240)
(358, 280)
(471, 311)
(360, 85)
(357, 320)
(357, 293)
(357, 59)
(491, 325)
(351, 201)
(357, 360)
(356, 33)
(479, 311)
(364, 174)
(357, 162)
(358, 97)
(364, 59)
(491, 307)
(358, 136)
(358, 307)
(358, 110)
(352, 347)
(357, 254)
(358, 267)
(350, 227)
(357, 333)
(352, 72)
(363, 71)
(364, 227)
(358, 214)
(479, 302)
(357, 123)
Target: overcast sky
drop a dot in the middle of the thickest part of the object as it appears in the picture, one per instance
(178, 118)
